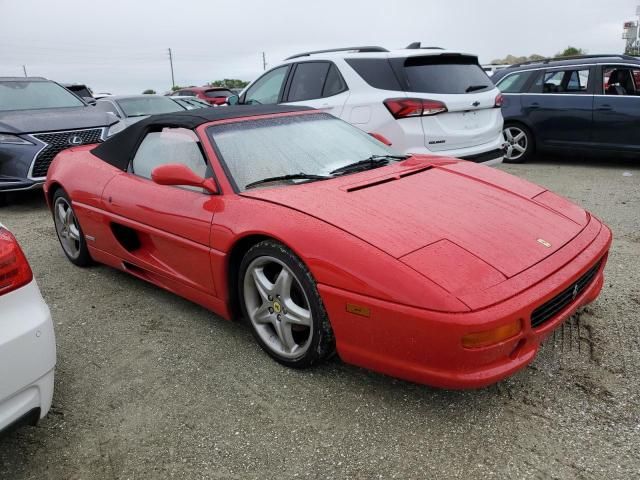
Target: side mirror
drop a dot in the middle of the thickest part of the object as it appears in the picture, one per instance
(178, 174)
(233, 100)
(381, 138)
(89, 100)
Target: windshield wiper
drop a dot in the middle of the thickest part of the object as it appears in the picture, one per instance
(292, 176)
(372, 162)
(473, 88)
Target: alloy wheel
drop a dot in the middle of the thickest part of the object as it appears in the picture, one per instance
(278, 307)
(517, 143)
(67, 227)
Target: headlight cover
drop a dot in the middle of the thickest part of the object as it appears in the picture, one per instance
(13, 139)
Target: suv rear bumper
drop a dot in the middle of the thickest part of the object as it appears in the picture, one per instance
(488, 154)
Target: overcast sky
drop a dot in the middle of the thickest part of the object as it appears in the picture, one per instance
(120, 46)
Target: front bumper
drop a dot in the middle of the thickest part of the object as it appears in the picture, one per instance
(426, 347)
(27, 355)
(15, 162)
(8, 184)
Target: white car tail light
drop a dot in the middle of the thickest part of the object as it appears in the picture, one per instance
(15, 271)
(414, 107)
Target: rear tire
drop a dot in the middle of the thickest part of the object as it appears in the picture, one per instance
(520, 143)
(279, 298)
(68, 230)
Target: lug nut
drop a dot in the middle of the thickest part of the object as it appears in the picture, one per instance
(278, 317)
(270, 310)
(270, 298)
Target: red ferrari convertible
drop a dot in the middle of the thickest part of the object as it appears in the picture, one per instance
(426, 268)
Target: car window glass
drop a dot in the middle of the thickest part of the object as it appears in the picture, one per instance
(308, 81)
(621, 81)
(578, 81)
(169, 146)
(443, 74)
(513, 83)
(266, 90)
(334, 83)
(377, 72)
(217, 93)
(563, 81)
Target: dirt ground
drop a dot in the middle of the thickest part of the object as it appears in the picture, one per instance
(151, 386)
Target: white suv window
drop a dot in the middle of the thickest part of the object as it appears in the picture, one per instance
(308, 81)
(266, 90)
(171, 145)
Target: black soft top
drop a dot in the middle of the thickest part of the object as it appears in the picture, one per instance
(119, 149)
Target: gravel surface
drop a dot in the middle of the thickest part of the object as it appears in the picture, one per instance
(151, 386)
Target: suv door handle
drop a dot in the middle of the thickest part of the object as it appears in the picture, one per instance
(534, 105)
(605, 108)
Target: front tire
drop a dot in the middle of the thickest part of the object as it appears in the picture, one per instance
(70, 235)
(280, 299)
(519, 143)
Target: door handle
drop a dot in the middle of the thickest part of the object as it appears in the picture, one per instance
(534, 105)
(605, 108)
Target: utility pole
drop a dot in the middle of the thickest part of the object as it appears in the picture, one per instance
(24, 69)
(173, 82)
(264, 61)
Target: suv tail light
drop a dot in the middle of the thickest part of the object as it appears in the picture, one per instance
(499, 100)
(414, 107)
(15, 271)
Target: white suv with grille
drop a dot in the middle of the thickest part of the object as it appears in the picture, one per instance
(422, 100)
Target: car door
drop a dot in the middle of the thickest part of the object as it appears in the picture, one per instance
(616, 111)
(317, 84)
(559, 106)
(160, 230)
(268, 89)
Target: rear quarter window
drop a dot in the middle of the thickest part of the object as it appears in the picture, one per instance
(377, 72)
(514, 82)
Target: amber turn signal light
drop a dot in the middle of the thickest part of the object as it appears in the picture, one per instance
(493, 336)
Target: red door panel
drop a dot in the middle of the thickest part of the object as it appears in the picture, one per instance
(163, 229)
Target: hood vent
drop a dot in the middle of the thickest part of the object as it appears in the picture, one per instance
(380, 181)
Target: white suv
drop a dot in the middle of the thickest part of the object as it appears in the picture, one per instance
(422, 100)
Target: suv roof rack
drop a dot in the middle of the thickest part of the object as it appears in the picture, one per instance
(576, 57)
(417, 46)
(365, 49)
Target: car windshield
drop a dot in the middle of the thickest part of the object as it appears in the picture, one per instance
(29, 95)
(148, 105)
(313, 144)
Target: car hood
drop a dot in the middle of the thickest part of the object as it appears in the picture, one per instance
(477, 220)
(53, 119)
